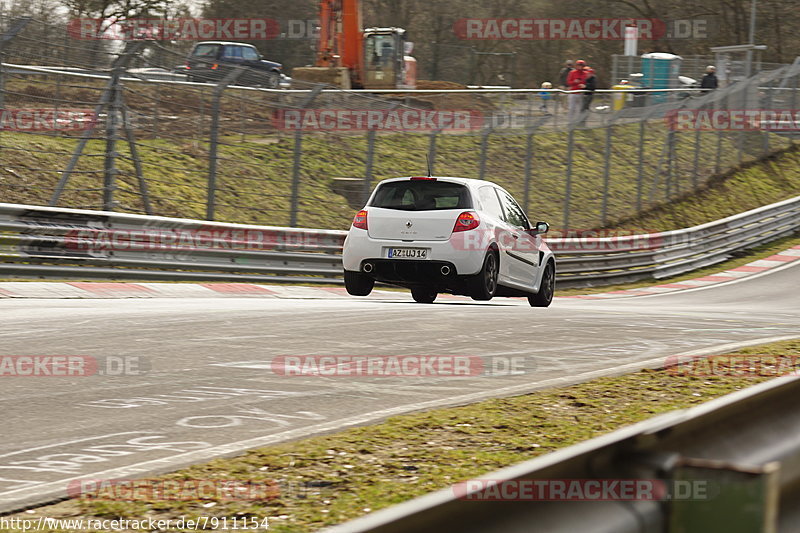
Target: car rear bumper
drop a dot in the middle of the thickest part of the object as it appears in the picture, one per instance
(360, 249)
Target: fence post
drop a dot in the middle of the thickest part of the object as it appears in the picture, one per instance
(568, 185)
(137, 163)
(298, 155)
(669, 150)
(5, 39)
(606, 173)
(106, 102)
(432, 150)
(216, 97)
(371, 134)
(17, 26)
(484, 150)
(718, 155)
(697, 142)
(768, 106)
(528, 166)
(110, 160)
(640, 166)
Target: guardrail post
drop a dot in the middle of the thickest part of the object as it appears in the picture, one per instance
(568, 184)
(211, 199)
(731, 497)
(298, 155)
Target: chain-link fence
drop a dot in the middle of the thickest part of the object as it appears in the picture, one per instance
(117, 126)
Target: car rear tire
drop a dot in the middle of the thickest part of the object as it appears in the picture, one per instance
(273, 80)
(544, 297)
(424, 295)
(483, 285)
(358, 284)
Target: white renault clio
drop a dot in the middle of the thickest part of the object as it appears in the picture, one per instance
(453, 235)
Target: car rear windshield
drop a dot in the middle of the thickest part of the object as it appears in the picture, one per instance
(205, 50)
(422, 195)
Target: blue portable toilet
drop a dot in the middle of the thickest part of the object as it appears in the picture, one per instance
(660, 71)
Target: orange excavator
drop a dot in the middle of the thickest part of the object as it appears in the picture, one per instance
(352, 57)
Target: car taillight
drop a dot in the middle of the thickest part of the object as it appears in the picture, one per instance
(360, 220)
(466, 221)
(214, 66)
(422, 178)
(188, 66)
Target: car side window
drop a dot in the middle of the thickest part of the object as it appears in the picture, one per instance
(249, 54)
(490, 202)
(514, 213)
(232, 52)
(205, 50)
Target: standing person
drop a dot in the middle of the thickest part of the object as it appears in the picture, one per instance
(575, 82)
(562, 79)
(563, 73)
(591, 85)
(709, 81)
(546, 97)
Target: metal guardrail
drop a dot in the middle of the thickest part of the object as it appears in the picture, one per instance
(740, 450)
(158, 74)
(68, 243)
(53, 242)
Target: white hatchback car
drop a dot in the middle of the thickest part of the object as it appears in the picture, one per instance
(454, 235)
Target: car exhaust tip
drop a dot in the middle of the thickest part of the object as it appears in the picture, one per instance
(368, 267)
(445, 270)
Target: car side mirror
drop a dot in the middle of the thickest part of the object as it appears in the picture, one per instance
(540, 228)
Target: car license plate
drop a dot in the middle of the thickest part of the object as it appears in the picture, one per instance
(408, 253)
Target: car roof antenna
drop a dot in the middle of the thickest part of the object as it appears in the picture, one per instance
(430, 169)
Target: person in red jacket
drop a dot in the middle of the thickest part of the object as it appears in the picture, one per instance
(576, 81)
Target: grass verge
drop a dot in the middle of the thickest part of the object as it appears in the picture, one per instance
(255, 174)
(334, 478)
